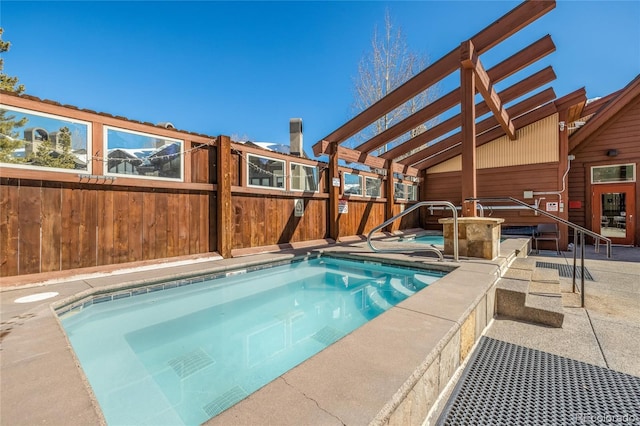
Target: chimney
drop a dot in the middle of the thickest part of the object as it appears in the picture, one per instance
(295, 137)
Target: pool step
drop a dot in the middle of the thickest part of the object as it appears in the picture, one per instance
(530, 294)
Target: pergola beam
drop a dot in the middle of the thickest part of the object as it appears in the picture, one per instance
(504, 69)
(481, 127)
(455, 149)
(495, 33)
(353, 156)
(471, 61)
(525, 86)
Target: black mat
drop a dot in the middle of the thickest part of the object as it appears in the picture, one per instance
(566, 271)
(506, 384)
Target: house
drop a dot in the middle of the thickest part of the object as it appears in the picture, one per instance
(603, 180)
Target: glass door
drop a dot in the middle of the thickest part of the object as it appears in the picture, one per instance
(614, 212)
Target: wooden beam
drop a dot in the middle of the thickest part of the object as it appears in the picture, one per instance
(334, 193)
(488, 123)
(468, 125)
(470, 60)
(353, 156)
(390, 194)
(498, 31)
(517, 90)
(593, 107)
(497, 132)
(505, 69)
(224, 208)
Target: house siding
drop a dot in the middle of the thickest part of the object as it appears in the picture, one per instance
(622, 133)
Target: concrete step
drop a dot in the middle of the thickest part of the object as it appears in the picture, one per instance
(530, 294)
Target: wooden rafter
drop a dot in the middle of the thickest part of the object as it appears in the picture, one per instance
(481, 127)
(470, 60)
(353, 156)
(525, 86)
(519, 122)
(498, 31)
(504, 69)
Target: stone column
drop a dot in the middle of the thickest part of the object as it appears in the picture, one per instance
(477, 236)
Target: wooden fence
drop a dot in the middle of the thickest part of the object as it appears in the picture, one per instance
(52, 220)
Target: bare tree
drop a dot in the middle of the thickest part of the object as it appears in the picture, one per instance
(388, 65)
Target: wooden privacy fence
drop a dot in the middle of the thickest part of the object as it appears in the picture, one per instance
(120, 203)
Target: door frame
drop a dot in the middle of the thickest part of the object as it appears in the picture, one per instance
(596, 211)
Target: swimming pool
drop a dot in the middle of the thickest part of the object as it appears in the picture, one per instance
(182, 352)
(437, 240)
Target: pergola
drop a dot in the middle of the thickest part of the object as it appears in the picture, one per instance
(474, 78)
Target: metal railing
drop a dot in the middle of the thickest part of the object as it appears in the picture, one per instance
(479, 207)
(409, 210)
(578, 233)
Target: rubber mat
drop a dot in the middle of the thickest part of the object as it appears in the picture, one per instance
(507, 384)
(565, 271)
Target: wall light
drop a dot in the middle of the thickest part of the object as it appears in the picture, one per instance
(612, 153)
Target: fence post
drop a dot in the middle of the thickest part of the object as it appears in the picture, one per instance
(334, 193)
(224, 209)
(390, 194)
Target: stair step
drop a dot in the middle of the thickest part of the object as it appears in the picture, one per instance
(530, 294)
(544, 288)
(523, 263)
(544, 310)
(545, 275)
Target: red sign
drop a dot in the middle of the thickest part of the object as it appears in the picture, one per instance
(575, 204)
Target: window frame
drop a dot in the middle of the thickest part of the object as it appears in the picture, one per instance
(412, 195)
(262, 178)
(633, 179)
(316, 176)
(89, 146)
(395, 191)
(105, 160)
(366, 188)
(344, 182)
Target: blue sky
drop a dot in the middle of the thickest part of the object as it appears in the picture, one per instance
(244, 68)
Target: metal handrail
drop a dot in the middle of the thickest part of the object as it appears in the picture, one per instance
(409, 210)
(576, 229)
(479, 207)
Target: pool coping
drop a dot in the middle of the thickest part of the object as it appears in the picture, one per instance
(400, 382)
(38, 370)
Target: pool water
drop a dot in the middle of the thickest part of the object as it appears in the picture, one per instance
(437, 240)
(185, 354)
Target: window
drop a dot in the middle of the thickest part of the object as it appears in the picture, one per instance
(412, 192)
(400, 193)
(372, 187)
(142, 155)
(303, 178)
(610, 174)
(352, 184)
(29, 138)
(265, 172)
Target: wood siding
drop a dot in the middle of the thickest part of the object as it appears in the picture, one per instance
(51, 220)
(362, 217)
(57, 226)
(621, 132)
(495, 182)
(268, 220)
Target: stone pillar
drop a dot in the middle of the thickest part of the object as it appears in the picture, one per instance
(477, 236)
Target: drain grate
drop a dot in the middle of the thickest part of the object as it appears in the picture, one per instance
(224, 401)
(506, 384)
(328, 335)
(565, 271)
(188, 364)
